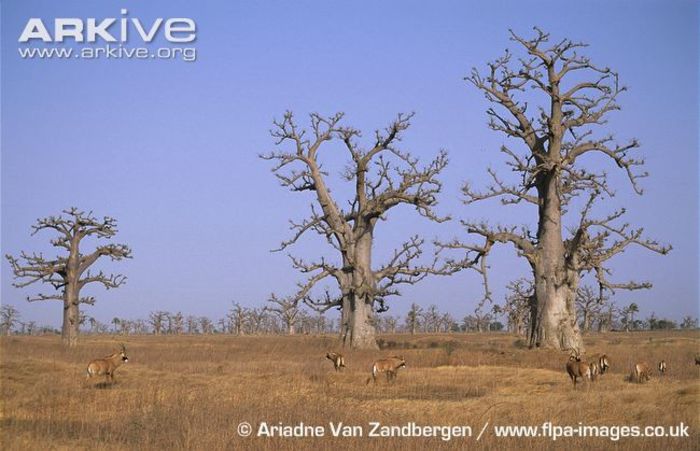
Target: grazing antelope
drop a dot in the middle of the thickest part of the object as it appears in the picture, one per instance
(641, 372)
(107, 365)
(662, 367)
(576, 368)
(337, 359)
(389, 366)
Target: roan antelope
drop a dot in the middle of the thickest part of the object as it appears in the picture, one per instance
(603, 363)
(641, 372)
(662, 367)
(389, 366)
(595, 370)
(107, 365)
(337, 359)
(576, 368)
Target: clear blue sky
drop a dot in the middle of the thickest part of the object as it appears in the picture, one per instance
(170, 148)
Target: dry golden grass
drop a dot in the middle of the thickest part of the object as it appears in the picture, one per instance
(191, 392)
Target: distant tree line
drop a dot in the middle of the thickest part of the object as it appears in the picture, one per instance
(594, 315)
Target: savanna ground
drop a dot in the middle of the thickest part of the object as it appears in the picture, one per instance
(191, 392)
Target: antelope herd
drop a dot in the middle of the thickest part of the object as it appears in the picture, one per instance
(576, 367)
(641, 371)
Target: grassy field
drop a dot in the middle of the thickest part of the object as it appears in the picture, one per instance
(192, 392)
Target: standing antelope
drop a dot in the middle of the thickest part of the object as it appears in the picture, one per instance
(107, 365)
(337, 359)
(595, 370)
(641, 372)
(389, 366)
(576, 368)
(697, 359)
(603, 363)
(662, 367)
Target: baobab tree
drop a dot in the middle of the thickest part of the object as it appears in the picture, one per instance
(589, 305)
(628, 316)
(518, 305)
(178, 323)
(237, 317)
(553, 101)
(287, 310)
(383, 177)
(9, 318)
(606, 318)
(157, 321)
(431, 319)
(413, 318)
(70, 273)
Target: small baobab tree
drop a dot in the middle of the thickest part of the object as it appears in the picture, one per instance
(414, 318)
(158, 320)
(589, 305)
(688, 322)
(9, 318)
(391, 323)
(482, 316)
(177, 321)
(518, 305)
(606, 319)
(70, 273)
(192, 324)
(320, 323)
(628, 316)
(382, 177)
(237, 317)
(447, 322)
(206, 325)
(287, 310)
(552, 101)
(431, 319)
(256, 319)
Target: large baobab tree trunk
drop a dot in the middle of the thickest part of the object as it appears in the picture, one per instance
(554, 325)
(361, 333)
(361, 325)
(71, 316)
(555, 286)
(359, 329)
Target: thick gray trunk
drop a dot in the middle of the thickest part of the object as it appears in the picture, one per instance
(554, 317)
(361, 329)
(555, 325)
(358, 328)
(71, 316)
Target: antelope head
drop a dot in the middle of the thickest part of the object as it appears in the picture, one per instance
(122, 354)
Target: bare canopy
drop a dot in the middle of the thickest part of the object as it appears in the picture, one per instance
(552, 101)
(383, 177)
(68, 274)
